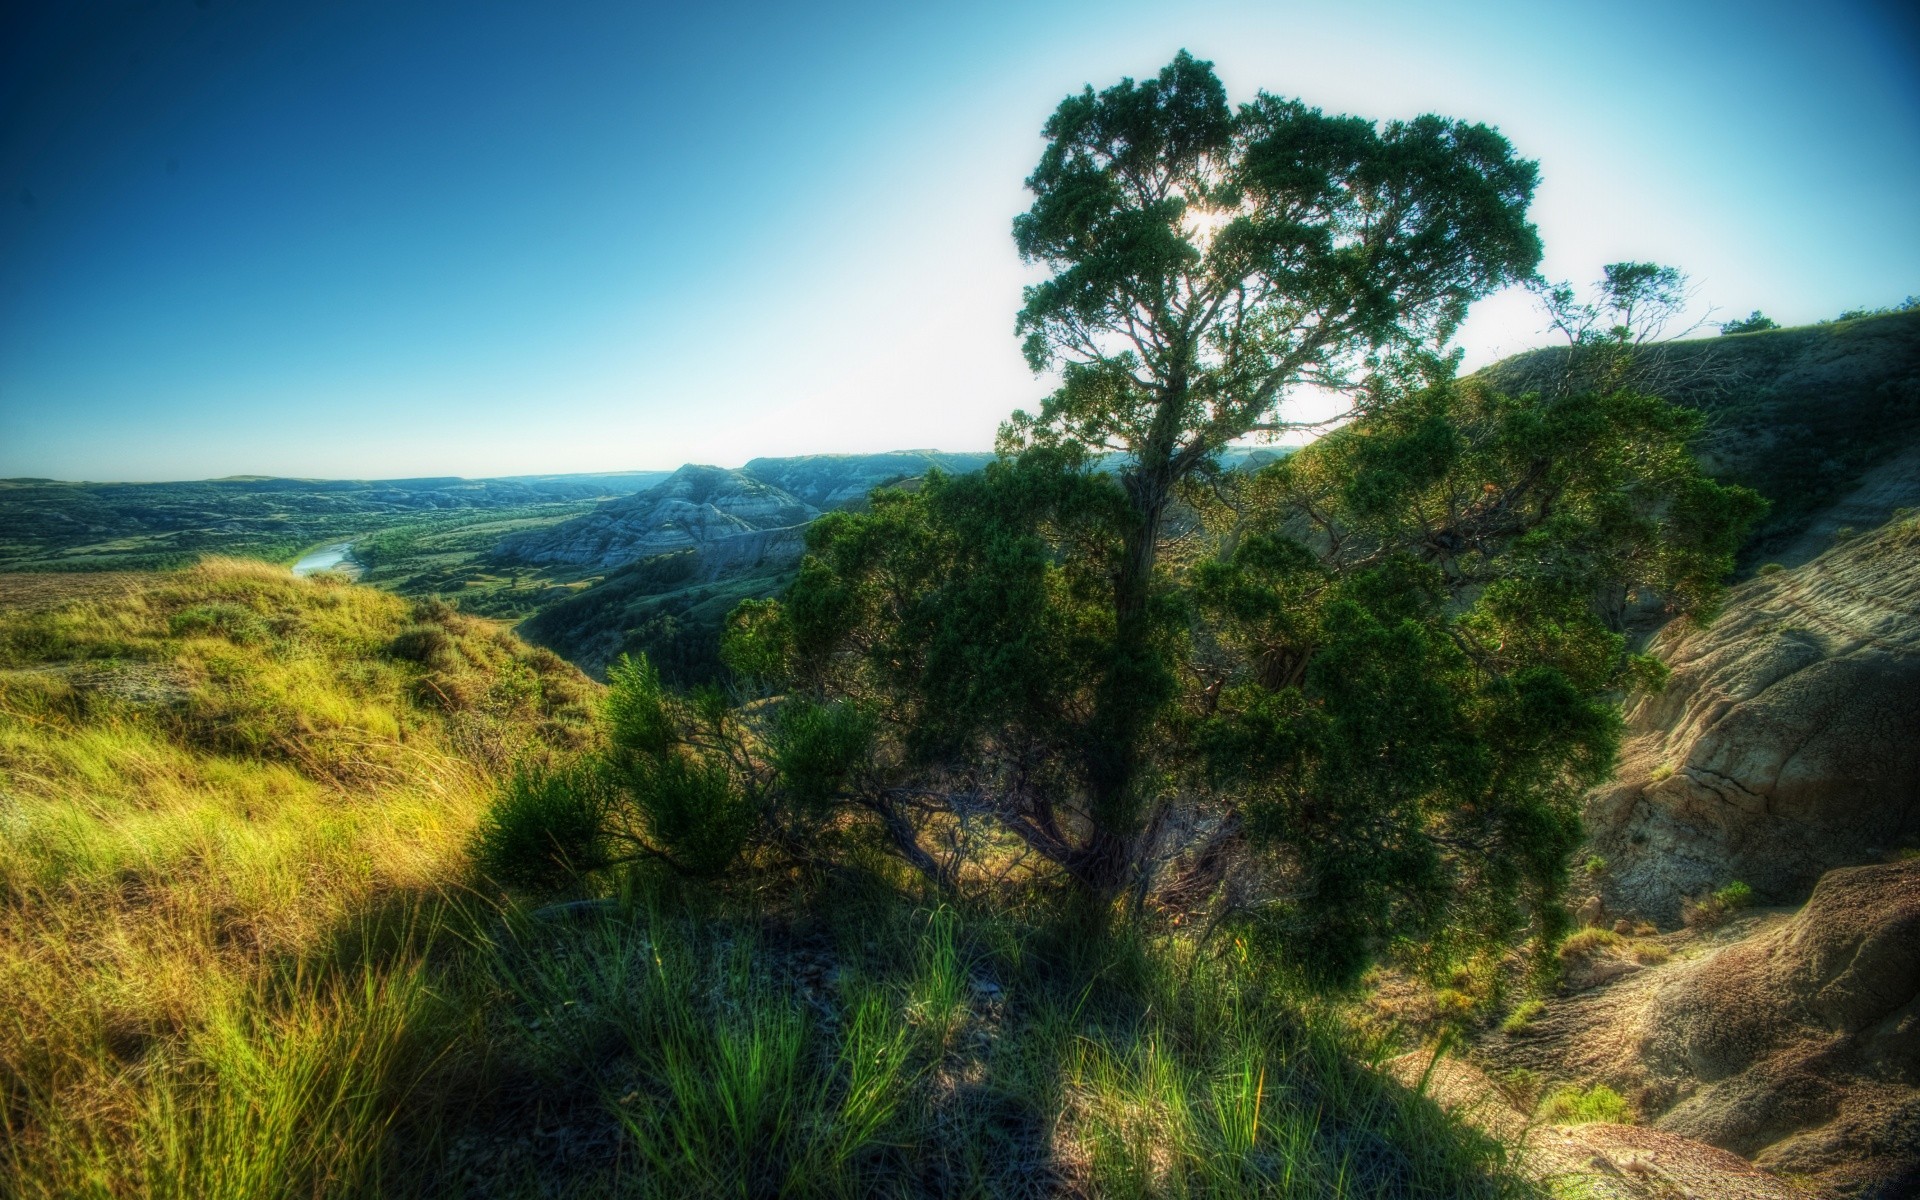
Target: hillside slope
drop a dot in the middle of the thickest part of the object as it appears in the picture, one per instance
(223, 792)
(51, 525)
(1803, 416)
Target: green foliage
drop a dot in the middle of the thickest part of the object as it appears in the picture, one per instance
(1733, 896)
(756, 643)
(1910, 304)
(237, 623)
(1574, 1106)
(1392, 681)
(817, 748)
(546, 827)
(1523, 1016)
(685, 803)
(1758, 322)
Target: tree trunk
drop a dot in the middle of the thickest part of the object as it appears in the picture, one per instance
(1132, 692)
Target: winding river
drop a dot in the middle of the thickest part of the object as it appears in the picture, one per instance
(327, 558)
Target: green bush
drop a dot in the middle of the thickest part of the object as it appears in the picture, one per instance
(1734, 895)
(429, 645)
(691, 812)
(1522, 1017)
(1758, 322)
(1571, 1106)
(546, 827)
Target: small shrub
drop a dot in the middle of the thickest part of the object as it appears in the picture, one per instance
(1735, 895)
(1587, 942)
(1651, 954)
(692, 811)
(237, 624)
(1771, 568)
(1453, 1006)
(1521, 1018)
(1717, 907)
(429, 645)
(545, 828)
(1594, 864)
(1758, 322)
(1662, 772)
(1572, 1106)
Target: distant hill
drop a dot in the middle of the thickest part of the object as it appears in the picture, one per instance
(1804, 416)
(833, 480)
(698, 506)
(53, 525)
(695, 506)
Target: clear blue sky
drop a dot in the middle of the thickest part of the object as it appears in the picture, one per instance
(372, 238)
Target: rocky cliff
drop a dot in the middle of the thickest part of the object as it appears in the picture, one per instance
(1786, 742)
(695, 507)
(1792, 1039)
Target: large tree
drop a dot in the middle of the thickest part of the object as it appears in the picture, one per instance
(1208, 264)
(1376, 674)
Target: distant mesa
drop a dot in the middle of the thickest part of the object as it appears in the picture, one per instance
(737, 519)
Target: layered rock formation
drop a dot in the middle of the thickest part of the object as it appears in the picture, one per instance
(1795, 1044)
(1785, 744)
(695, 507)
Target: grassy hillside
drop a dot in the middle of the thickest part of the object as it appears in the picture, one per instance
(1799, 415)
(243, 953)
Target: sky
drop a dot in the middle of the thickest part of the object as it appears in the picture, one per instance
(378, 239)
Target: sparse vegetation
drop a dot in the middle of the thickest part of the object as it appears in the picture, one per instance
(1717, 907)
(1577, 1106)
(1584, 943)
(1523, 1017)
(1757, 322)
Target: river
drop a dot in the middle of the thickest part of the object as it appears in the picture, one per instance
(328, 558)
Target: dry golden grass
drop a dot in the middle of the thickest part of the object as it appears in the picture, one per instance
(211, 781)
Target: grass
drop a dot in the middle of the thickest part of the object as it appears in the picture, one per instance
(1577, 1106)
(244, 954)
(1523, 1016)
(1584, 943)
(1717, 907)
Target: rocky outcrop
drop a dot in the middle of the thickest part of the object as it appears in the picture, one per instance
(1795, 1044)
(1786, 742)
(1599, 1160)
(697, 507)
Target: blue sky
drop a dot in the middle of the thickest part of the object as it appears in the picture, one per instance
(349, 238)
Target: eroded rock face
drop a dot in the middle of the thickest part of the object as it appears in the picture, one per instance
(1786, 743)
(1601, 1161)
(1801, 1046)
(1792, 1040)
(696, 507)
